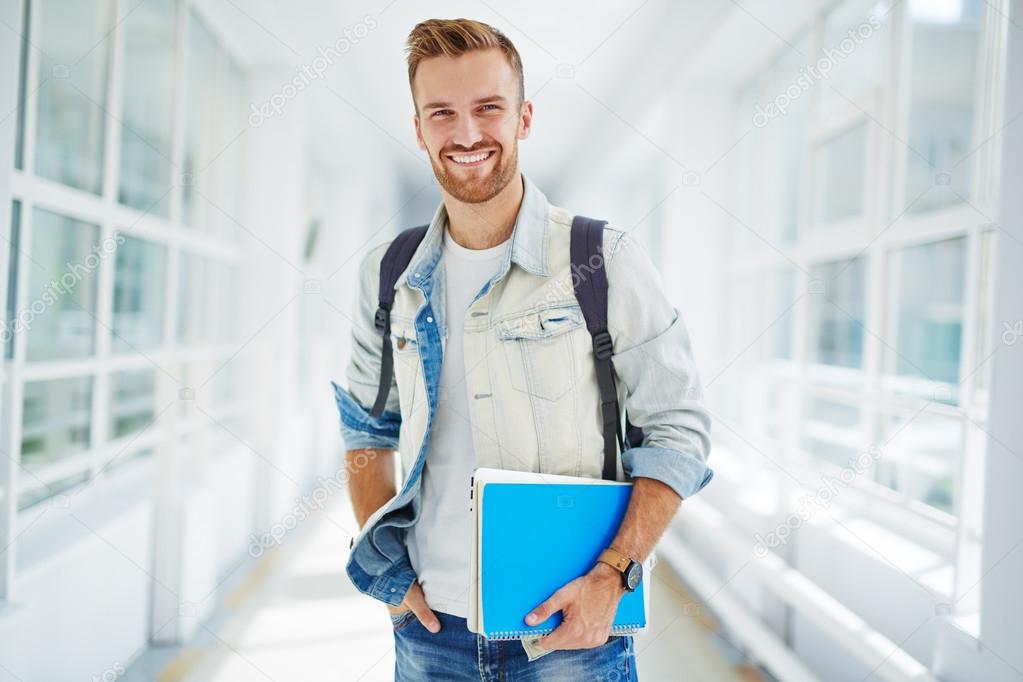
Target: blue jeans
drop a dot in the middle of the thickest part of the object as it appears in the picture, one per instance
(454, 653)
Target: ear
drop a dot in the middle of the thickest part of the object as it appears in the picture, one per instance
(525, 120)
(419, 133)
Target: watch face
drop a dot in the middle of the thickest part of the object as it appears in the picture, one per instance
(633, 576)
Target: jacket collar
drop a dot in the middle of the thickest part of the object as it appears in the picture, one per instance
(529, 239)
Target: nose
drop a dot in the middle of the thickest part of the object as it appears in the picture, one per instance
(467, 132)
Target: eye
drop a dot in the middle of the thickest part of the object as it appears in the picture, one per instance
(441, 112)
(490, 107)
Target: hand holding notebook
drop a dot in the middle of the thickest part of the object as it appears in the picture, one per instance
(533, 534)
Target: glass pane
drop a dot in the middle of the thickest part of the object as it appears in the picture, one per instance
(227, 163)
(202, 107)
(149, 34)
(837, 313)
(839, 175)
(73, 55)
(782, 313)
(779, 139)
(60, 315)
(921, 458)
(942, 85)
(831, 431)
(55, 420)
(193, 292)
(853, 52)
(12, 324)
(138, 295)
(750, 166)
(932, 284)
(132, 401)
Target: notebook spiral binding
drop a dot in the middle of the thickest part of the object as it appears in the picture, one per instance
(620, 629)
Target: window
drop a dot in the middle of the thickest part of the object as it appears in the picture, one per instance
(139, 285)
(831, 430)
(55, 420)
(61, 313)
(132, 401)
(854, 47)
(88, 315)
(921, 458)
(148, 107)
(837, 313)
(193, 288)
(72, 90)
(945, 39)
(888, 342)
(201, 97)
(931, 285)
(840, 176)
(783, 299)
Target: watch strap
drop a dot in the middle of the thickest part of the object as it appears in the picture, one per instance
(615, 559)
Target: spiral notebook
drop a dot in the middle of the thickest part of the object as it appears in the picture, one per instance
(533, 533)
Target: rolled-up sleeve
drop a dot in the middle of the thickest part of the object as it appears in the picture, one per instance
(358, 428)
(653, 359)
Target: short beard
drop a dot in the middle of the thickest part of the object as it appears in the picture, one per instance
(481, 189)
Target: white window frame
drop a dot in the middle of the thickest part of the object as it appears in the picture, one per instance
(884, 183)
(105, 211)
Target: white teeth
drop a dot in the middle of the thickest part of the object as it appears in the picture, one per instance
(470, 158)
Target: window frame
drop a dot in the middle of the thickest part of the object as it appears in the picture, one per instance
(212, 242)
(868, 237)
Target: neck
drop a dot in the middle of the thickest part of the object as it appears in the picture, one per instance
(480, 226)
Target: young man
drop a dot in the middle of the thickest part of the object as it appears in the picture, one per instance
(494, 366)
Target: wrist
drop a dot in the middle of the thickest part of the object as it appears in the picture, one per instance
(607, 575)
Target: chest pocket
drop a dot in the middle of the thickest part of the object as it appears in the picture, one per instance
(405, 351)
(540, 349)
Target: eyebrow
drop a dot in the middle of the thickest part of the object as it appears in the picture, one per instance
(482, 100)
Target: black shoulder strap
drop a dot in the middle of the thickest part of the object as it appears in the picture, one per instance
(590, 282)
(589, 279)
(395, 260)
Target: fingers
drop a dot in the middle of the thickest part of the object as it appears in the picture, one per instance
(417, 602)
(545, 610)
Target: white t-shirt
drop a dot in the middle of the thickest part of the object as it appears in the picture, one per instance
(438, 544)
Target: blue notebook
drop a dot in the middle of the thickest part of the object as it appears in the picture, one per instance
(533, 534)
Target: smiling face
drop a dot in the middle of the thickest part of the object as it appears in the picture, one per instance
(469, 120)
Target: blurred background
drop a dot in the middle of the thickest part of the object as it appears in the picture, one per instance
(826, 186)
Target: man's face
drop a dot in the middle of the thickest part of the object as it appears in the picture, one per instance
(469, 121)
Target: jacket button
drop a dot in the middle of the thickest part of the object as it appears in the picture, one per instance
(430, 320)
(401, 343)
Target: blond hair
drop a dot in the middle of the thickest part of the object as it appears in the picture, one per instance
(455, 37)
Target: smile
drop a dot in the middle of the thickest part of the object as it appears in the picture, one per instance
(471, 159)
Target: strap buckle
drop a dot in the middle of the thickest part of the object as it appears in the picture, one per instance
(609, 411)
(381, 319)
(602, 345)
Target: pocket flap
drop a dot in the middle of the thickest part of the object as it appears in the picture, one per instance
(542, 324)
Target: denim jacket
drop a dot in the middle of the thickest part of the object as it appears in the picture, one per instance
(530, 376)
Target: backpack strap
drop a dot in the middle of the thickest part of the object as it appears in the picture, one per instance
(590, 283)
(396, 259)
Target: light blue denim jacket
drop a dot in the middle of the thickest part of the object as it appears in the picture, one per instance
(530, 376)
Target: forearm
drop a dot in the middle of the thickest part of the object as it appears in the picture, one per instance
(371, 480)
(651, 508)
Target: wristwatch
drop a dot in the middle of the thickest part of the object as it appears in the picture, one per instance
(632, 571)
